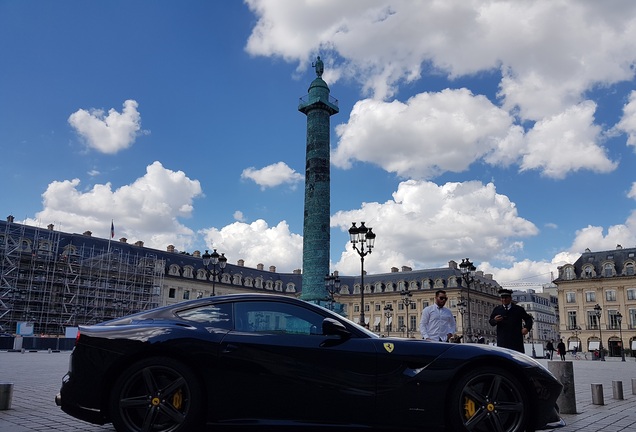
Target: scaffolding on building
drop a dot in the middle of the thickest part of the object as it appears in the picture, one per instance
(50, 283)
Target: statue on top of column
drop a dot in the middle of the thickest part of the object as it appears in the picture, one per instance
(320, 67)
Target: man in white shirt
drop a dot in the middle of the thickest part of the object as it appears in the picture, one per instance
(437, 322)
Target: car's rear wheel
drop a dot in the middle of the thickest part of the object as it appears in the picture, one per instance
(488, 399)
(157, 394)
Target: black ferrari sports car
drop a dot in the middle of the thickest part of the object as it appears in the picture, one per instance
(264, 359)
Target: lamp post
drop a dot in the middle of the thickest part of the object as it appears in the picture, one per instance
(576, 331)
(406, 300)
(619, 318)
(214, 259)
(462, 310)
(534, 353)
(388, 313)
(598, 311)
(363, 240)
(332, 285)
(468, 274)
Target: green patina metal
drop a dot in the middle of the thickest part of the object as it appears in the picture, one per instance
(318, 106)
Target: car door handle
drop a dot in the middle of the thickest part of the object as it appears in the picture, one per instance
(228, 348)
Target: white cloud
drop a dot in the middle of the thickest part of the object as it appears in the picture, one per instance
(239, 216)
(272, 175)
(598, 238)
(425, 224)
(549, 52)
(146, 210)
(632, 191)
(108, 133)
(256, 242)
(428, 135)
(566, 143)
(627, 123)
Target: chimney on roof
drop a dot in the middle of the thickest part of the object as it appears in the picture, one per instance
(260, 266)
(297, 271)
(406, 269)
(139, 243)
(452, 264)
(196, 254)
(88, 233)
(171, 248)
(619, 246)
(10, 218)
(50, 227)
(272, 269)
(240, 263)
(123, 240)
(394, 269)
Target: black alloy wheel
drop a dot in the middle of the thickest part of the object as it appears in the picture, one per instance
(488, 399)
(157, 394)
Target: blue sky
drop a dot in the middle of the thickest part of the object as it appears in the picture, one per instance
(500, 131)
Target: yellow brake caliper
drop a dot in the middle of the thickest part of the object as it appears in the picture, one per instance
(177, 399)
(469, 408)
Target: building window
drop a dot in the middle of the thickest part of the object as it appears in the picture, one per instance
(588, 271)
(613, 322)
(607, 270)
(629, 269)
(569, 273)
(590, 296)
(172, 293)
(610, 295)
(376, 307)
(592, 320)
(570, 297)
(186, 295)
(631, 294)
(571, 320)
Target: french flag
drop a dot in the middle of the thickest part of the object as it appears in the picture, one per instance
(112, 229)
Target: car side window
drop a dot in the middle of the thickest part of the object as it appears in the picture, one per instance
(218, 315)
(275, 317)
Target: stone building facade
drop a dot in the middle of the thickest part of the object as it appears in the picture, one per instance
(599, 282)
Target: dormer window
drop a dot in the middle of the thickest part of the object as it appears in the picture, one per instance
(608, 270)
(588, 271)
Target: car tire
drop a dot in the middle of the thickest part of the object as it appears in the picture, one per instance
(157, 394)
(488, 399)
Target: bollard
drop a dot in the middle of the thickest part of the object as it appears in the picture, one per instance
(597, 394)
(634, 386)
(617, 390)
(564, 372)
(6, 393)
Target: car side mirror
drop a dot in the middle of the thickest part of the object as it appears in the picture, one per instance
(334, 327)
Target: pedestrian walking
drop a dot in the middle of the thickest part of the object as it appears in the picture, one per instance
(437, 322)
(550, 348)
(512, 321)
(561, 349)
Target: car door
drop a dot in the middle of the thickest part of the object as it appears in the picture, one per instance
(278, 365)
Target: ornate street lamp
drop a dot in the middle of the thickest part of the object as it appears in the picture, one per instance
(576, 331)
(619, 319)
(461, 306)
(214, 259)
(363, 240)
(332, 285)
(534, 353)
(468, 274)
(406, 300)
(598, 311)
(388, 313)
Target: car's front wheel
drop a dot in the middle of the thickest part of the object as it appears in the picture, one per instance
(157, 394)
(488, 399)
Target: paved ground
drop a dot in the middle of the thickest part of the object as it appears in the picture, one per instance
(37, 376)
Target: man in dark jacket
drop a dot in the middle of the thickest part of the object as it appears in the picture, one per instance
(512, 321)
